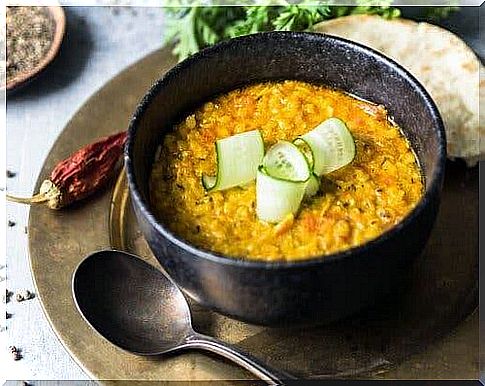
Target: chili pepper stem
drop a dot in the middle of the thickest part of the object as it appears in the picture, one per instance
(36, 199)
(48, 193)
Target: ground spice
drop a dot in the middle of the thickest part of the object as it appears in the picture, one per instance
(30, 32)
(11, 174)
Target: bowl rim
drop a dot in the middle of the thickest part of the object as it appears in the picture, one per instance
(430, 193)
(58, 16)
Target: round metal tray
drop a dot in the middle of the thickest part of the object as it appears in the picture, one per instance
(405, 338)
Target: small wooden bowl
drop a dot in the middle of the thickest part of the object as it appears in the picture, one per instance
(58, 16)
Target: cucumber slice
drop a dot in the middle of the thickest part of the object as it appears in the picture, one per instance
(312, 186)
(332, 146)
(281, 182)
(238, 158)
(276, 198)
(306, 150)
(285, 161)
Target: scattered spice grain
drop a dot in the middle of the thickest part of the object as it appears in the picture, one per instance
(15, 353)
(11, 223)
(23, 295)
(30, 32)
(11, 174)
(8, 315)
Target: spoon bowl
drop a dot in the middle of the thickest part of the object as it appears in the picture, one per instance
(139, 309)
(131, 303)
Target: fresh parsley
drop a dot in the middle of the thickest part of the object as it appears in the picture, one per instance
(192, 27)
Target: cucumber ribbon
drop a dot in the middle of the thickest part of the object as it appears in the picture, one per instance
(284, 180)
(281, 182)
(289, 172)
(238, 158)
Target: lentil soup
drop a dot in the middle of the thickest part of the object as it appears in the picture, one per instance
(355, 204)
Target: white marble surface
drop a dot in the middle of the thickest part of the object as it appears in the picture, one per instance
(100, 42)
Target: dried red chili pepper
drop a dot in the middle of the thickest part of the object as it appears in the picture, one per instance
(79, 175)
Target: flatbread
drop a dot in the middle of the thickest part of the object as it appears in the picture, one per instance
(441, 61)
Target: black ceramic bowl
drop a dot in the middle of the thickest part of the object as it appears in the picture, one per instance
(320, 289)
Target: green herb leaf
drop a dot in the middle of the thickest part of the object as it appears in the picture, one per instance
(191, 26)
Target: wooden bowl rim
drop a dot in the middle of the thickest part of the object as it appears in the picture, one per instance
(59, 18)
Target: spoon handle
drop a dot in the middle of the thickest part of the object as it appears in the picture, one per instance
(247, 361)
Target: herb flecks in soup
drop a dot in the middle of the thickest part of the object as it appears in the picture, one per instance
(356, 203)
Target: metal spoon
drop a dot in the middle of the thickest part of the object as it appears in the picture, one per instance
(139, 309)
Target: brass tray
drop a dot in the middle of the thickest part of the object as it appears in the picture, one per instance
(408, 337)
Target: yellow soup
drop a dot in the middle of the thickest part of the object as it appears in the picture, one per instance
(357, 202)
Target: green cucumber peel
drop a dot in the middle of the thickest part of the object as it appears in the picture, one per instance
(238, 158)
(276, 198)
(285, 161)
(332, 146)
